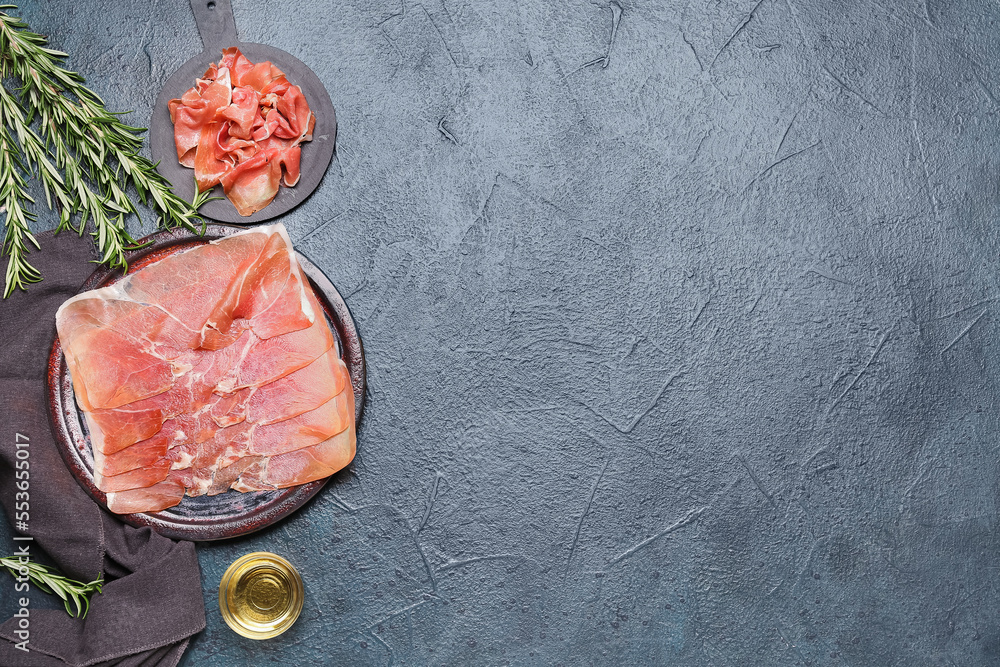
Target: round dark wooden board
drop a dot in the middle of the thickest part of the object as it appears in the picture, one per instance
(202, 518)
(316, 154)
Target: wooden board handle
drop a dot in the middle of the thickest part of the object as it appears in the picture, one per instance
(216, 24)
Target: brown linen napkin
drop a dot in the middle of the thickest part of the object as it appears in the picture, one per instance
(152, 602)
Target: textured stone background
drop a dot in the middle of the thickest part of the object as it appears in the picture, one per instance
(679, 320)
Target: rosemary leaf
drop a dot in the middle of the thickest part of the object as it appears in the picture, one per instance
(74, 594)
(55, 129)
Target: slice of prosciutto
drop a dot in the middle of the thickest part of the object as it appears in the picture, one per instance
(242, 126)
(209, 370)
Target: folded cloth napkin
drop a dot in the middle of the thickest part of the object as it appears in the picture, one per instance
(152, 602)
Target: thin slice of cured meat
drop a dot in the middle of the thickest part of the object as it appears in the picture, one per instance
(242, 126)
(242, 112)
(284, 470)
(149, 499)
(298, 392)
(237, 63)
(294, 108)
(115, 429)
(198, 107)
(253, 184)
(305, 430)
(148, 452)
(212, 369)
(137, 478)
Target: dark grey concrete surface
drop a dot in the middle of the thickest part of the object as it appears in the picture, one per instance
(680, 321)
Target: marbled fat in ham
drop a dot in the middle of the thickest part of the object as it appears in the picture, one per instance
(212, 369)
(242, 125)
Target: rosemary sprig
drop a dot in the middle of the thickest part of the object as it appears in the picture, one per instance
(74, 594)
(56, 129)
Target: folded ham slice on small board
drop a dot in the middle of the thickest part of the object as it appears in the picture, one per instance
(209, 370)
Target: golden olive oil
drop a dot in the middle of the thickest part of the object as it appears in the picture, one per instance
(260, 595)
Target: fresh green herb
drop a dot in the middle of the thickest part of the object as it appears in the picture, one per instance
(54, 128)
(74, 594)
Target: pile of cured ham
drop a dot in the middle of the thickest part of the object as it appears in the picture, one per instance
(211, 369)
(242, 125)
